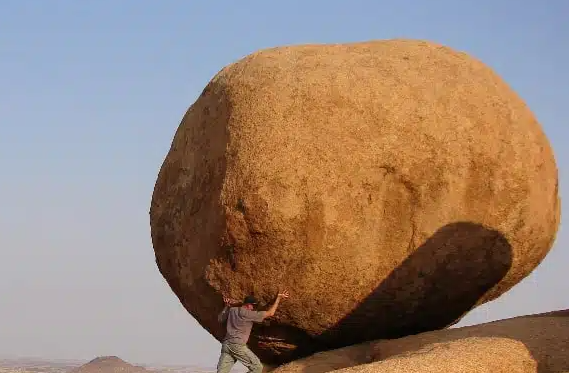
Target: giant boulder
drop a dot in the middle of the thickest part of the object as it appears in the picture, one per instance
(391, 186)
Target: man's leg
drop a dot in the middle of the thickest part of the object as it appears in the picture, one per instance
(226, 360)
(246, 357)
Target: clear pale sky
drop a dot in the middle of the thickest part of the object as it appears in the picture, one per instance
(91, 93)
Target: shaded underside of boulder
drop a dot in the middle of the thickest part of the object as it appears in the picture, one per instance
(392, 186)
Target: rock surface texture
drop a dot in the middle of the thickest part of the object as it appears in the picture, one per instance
(527, 344)
(391, 186)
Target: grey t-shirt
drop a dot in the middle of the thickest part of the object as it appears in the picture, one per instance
(239, 323)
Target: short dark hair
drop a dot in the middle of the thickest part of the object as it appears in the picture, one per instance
(250, 299)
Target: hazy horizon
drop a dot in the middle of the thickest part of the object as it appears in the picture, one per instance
(92, 93)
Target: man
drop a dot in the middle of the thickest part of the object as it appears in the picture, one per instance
(239, 323)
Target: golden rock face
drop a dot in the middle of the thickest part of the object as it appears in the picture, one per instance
(391, 186)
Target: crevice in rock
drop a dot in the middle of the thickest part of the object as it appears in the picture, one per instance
(408, 185)
(229, 249)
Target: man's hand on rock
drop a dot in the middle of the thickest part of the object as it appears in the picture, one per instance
(228, 301)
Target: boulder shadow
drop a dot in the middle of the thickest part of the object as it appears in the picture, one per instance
(431, 289)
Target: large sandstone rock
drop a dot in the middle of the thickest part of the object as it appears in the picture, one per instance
(392, 186)
(527, 344)
(469, 355)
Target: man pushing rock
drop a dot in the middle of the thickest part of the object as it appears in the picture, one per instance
(239, 323)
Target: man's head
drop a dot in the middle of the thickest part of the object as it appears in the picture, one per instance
(250, 302)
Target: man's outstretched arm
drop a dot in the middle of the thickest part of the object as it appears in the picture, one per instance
(271, 311)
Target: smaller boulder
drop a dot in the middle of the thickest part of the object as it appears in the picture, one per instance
(469, 355)
(526, 344)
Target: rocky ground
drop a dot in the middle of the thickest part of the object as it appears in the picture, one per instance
(525, 344)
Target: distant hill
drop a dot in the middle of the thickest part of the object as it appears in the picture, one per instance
(109, 364)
